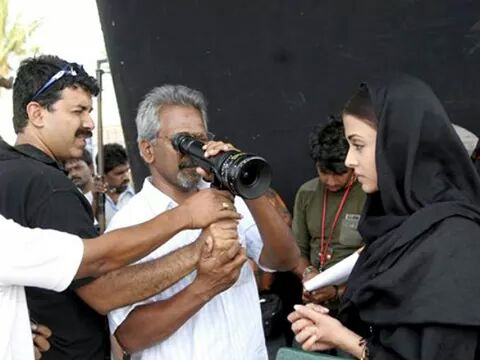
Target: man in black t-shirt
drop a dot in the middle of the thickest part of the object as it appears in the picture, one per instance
(52, 104)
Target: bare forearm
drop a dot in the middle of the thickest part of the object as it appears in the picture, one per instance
(124, 246)
(138, 282)
(138, 331)
(280, 250)
(350, 342)
(303, 263)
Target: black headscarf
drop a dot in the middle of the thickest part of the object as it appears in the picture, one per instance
(476, 157)
(421, 228)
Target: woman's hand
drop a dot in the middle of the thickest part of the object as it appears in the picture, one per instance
(314, 329)
(318, 331)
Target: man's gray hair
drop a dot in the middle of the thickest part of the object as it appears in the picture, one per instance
(148, 119)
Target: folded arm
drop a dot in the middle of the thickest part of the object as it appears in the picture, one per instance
(218, 269)
(137, 282)
(123, 246)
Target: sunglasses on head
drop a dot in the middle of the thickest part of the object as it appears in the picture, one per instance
(67, 70)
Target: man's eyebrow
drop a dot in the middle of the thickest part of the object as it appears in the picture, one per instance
(83, 107)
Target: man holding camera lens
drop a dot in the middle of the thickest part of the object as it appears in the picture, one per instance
(52, 101)
(214, 313)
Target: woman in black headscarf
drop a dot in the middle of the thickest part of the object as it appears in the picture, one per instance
(415, 290)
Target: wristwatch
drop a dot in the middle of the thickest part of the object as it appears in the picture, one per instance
(309, 269)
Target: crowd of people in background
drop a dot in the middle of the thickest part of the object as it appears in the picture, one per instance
(391, 180)
(115, 184)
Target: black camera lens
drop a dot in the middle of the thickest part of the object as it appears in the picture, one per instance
(247, 178)
(246, 175)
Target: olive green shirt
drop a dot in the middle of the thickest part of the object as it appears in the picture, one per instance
(307, 219)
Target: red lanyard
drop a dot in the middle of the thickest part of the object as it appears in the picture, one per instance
(324, 242)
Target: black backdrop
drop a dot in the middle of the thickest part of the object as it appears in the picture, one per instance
(272, 69)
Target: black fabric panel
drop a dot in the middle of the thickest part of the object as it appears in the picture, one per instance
(271, 70)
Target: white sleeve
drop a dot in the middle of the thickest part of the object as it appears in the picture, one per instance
(47, 259)
(118, 316)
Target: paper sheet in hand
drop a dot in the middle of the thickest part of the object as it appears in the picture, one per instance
(336, 275)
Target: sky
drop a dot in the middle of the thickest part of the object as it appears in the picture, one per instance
(70, 29)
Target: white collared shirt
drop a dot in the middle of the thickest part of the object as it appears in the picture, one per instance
(89, 196)
(227, 327)
(111, 208)
(30, 257)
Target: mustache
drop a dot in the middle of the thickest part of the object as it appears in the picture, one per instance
(83, 133)
(77, 180)
(119, 189)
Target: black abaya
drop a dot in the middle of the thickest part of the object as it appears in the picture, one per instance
(414, 290)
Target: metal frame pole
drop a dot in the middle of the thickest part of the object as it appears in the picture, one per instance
(101, 166)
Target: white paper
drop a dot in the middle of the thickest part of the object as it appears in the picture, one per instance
(336, 275)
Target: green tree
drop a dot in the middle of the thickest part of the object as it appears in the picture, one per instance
(13, 41)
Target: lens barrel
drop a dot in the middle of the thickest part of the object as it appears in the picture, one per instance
(243, 174)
